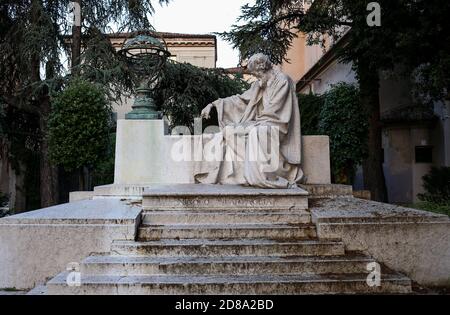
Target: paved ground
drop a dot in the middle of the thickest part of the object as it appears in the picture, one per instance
(11, 292)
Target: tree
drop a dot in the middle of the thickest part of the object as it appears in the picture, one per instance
(342, 119)
(424, 46)
(185, 90)
(437, 186)
(78, 127)
(33, 46)
(310, 108)
(270, 25)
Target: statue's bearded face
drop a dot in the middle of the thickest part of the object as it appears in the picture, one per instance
(260, 74)
(259, 65)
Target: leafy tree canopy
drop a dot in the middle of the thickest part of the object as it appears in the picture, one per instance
(437, 186)
(342, 119)
(412, 32)
(36, 39)
(186, 89)
(34, 35)
(310, 107)
(81, 104)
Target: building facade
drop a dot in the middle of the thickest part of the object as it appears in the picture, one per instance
(414, 138)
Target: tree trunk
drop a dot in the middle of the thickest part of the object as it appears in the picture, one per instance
(76, 38)
(48, 172)
(374, 180)
(81, 180)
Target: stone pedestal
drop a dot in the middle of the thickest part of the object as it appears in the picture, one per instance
(144, 158)
(223, 198)
(143, 155)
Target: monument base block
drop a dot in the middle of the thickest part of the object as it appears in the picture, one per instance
(146, 155)
(222, 197)
(213, 239)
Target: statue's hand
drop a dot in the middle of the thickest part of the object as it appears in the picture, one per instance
(206, 111)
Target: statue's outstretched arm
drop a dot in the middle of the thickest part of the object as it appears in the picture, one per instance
(234, 100)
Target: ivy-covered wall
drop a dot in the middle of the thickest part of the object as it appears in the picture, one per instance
(339, 115)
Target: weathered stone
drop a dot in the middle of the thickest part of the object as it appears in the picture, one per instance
(143, 155)
(120, 191)
(75, 196)
(327, 191)
(223, 248)
(199, 248)
(413, 242)
(228, 265)
(43, 242)
(226, 231)
(362, 194)
(316, 160)
(222, 197)
(160, 217)
(261, 284)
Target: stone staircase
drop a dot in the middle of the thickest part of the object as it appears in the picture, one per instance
(188, 243)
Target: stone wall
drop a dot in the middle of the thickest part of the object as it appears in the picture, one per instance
(37, 245)
(413, 242)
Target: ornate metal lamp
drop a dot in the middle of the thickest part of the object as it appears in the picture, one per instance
(146, 56)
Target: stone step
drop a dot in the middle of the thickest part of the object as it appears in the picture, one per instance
(39, 290)
(225, 217)
(222, 197)
(221, 248)
(246, 284)
(227, 231)
(240, 265)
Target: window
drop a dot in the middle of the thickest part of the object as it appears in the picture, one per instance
(424, 154)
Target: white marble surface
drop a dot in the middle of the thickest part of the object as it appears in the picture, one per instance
(218, 190)
(39, 244)
(88, 211)
(416, 243)
(144, 156)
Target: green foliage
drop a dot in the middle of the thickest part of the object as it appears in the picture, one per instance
(11, 290)
(310, 108)
(34, 32)
(103, 174)
(19, 146)
(270, 28)
(185, 90)
(346, 123)
(20, 136)
(79, 126)
(432, 79)
(424, 45)
(433, 207)
(4, 199)
(337, 114)
(414, 33)
(437, 186)
(34, 49)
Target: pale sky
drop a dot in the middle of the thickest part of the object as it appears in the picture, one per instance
(202, 17)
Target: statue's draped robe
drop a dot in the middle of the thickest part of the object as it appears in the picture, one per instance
(272, 120)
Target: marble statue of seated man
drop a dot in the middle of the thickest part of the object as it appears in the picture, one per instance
(259, 143)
